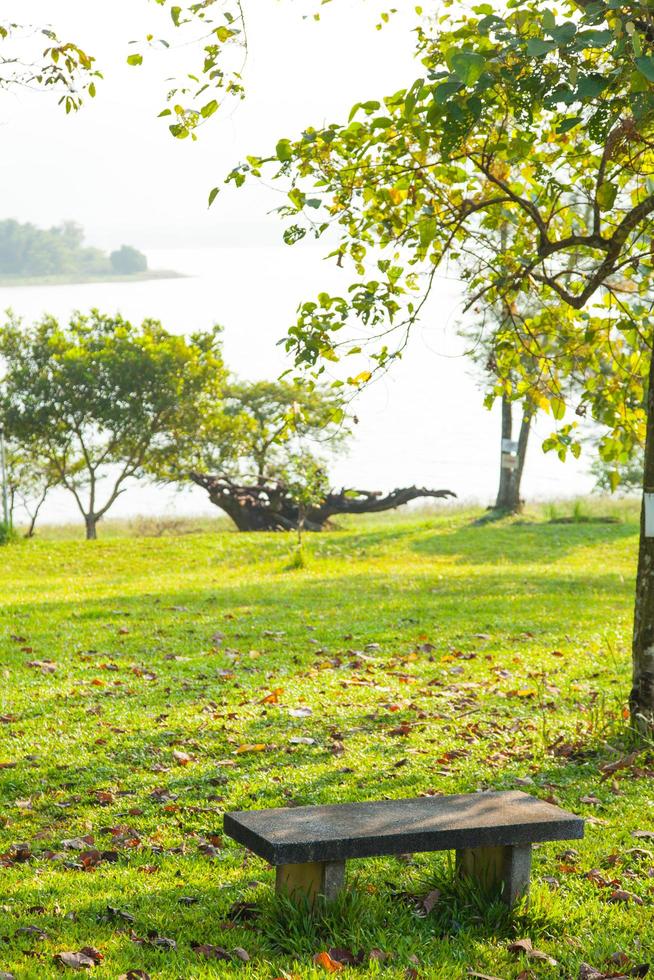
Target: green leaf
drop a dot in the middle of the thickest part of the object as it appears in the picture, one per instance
(135, 59)
(209, 109)
(548, 20)
(645, 66)
(213, 195)
(538, 48)
(606, 195)
(558, 408)
(568, 124)
(428, 230)
(564, 33)
(468, 66)
(590, 86)
(283, 150)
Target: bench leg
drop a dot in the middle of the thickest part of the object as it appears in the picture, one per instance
(307, 881)
(508, 867)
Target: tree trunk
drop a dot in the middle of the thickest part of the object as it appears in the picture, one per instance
(91, 523)
(641, 699)
(268, 506)
(508, 493)
(33, 516)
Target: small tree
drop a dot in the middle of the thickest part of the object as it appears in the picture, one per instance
(306, 481)
(101, 401)
(268, 415)
(128, 261)
(29, 480)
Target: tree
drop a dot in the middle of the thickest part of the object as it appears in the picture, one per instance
(525, 119)
(29, 481)
(260, 461)
(29, 251)
(272, 506)
(128, 261)
(101, 401)
(271, 414)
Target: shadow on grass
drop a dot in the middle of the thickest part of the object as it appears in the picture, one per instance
(521, 544)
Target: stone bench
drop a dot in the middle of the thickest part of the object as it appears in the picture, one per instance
(492, 834)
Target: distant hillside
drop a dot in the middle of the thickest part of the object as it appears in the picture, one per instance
(31, 254)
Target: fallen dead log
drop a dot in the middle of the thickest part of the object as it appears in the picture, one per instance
(269, 506)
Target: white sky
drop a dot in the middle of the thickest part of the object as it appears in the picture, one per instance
(114, 168)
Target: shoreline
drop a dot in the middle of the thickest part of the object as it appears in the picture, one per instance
(18, 282)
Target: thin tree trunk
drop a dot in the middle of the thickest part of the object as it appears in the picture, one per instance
(641, 700)
(508, 493)
(33, 516)
(91, 523)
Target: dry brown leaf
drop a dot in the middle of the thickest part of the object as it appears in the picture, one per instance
(325, 961)
(210, 952)
(75, 961)
(525, 947)
(620, 895)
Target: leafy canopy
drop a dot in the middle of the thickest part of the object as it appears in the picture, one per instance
(101, 399)
(266, 424)
(524, 118)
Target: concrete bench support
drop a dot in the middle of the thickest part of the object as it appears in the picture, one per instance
(508, 868)
(307, 881)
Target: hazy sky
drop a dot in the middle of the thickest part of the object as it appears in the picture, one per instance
(114, 166)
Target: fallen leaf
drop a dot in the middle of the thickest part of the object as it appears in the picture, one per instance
(77, 843)
(378, 955)
(45, 666)
(181, 758)
(327, 963)
(258, 747)
(620, 895)
(525, 947)
(162, 942)
(346, 957)
(430, 900)
(92, 953)
(75, 961)
(273, 697)
(210, 952)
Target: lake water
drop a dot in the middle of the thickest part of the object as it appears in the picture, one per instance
(423, 423)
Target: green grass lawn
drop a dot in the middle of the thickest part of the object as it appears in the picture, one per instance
(426, 656)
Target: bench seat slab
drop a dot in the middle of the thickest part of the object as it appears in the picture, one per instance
(310, 834)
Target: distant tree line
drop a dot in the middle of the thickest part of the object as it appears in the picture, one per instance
(92, 404)
(28, 251)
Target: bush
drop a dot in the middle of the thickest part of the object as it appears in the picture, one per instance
(7, 533)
